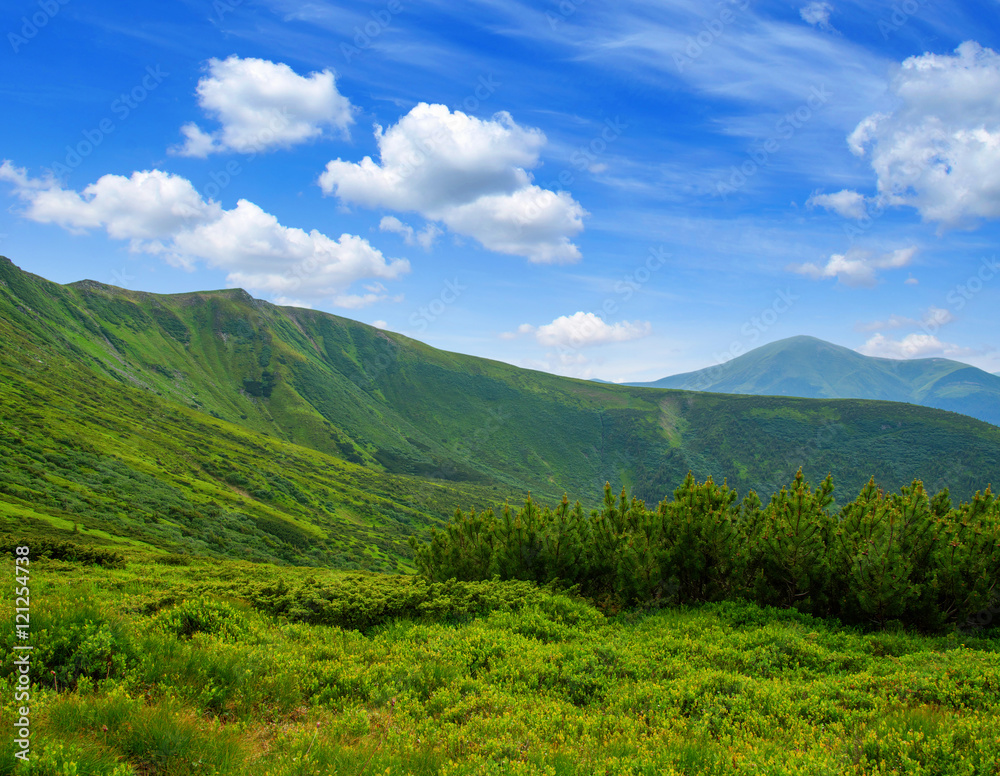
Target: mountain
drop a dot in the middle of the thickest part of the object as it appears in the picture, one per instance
(811, 368)
(216, 423)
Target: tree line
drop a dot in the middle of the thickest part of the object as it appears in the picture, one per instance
(884, 557)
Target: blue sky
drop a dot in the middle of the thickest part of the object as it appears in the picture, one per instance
(616, 190)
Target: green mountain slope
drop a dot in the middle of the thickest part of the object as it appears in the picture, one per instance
(215, 423)
(811, 368)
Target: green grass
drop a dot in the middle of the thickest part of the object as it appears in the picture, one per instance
(214, 424)
(186, 670)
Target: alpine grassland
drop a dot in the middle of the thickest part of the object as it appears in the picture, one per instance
(249, 539)
(197, 666)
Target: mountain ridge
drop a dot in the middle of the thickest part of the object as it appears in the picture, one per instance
(813, 368)
(300, 435)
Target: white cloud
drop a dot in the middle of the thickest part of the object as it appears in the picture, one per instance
(197, 142)
(524, 328)
(939, 150)
(583, 329)
(817, 14)
(856, 267)
(469, 174)
(141, 208)
(163, 214)
(424, 238)
(263, 105)
(845, 203)
(934, 316)
(912, 346)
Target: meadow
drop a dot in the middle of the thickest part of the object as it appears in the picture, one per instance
(199, 666)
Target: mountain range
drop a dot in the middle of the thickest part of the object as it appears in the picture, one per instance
(216, 423)
(811, 368)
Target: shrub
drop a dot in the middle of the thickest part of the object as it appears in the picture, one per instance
(205, 615)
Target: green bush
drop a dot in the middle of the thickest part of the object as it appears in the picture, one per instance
(75, 640)
(205, 615)
(68, 551)
(364, 601)
(883, 558)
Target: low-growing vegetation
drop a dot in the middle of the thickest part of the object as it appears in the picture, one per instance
(234, 668)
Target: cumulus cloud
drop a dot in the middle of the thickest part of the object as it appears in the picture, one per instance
(582, 329)
(817, 14)
(845, 203)
(424, 238)
(263, 105)
(162, 214)
(939, 150)
(912, 346)
(470, 175)
(856, 267)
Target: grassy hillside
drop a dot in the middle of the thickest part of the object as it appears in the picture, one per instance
(812, 368)
(228, 668)
(213, 422)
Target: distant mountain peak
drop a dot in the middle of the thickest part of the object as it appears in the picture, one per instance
(812, 368)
